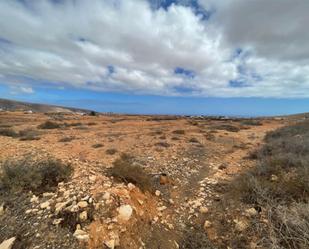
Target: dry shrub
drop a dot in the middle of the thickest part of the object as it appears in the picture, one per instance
(29, 134)
(279, 184)
(179, 132)
(49, 125)
(111, 151)
(193, 140)
(8, 132)
(226, 127)
(97, 146)
(251, 122)
(125, 169)
(66, 139)
(163, 144)
(29, 174)
(195, 239)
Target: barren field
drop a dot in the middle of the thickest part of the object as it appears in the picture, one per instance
(166, 192)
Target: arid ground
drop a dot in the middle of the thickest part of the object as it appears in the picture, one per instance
(187, 164)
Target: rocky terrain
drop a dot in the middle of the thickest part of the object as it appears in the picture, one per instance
(187, 163)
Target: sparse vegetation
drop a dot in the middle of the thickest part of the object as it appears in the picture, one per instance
(251, 122)
(8, 132)
(111, 151)
(97, 146)
(29, 174)
(280, 185)
(29, 135)
(226, 127)
(163, 144)
(179, 132)
(66, 139)
(125, 169)
(195, 238)
(49, 125)
(193, 140)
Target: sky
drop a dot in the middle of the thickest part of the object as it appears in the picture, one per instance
(225, 57)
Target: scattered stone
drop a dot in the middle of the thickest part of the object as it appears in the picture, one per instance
(57, 221)
(81, 235)
(125, 212)
(106, 196)
(82, 204)
(48, 194)
(45, 205)
(60, 206)
(83, 216)
(207, 224)
(131, 186)
(34, 199)
(240, 225)
(251, 212)
(203, 210)
(157, 193)
(1, 209)
(274, 178)
(110, 244)
(7, 244)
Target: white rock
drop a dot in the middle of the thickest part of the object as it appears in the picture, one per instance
(7, 244)
(203, 210)
(34, 199)
(1, 209)
(251, 212)
(157, 193)
(57, 221)
(45, 205)
(240, 225)
(131, 186)
(110, 243)
(125, 212)
(81, 235)
(59, 206)
(106, 196)
(47, 194)
(83, 216)
(207, 224)
(82, 204)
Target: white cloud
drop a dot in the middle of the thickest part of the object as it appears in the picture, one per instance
(126, 45)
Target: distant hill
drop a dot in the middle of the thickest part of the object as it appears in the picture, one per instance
(12, 105)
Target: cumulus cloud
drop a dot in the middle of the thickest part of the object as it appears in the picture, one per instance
(244, 49)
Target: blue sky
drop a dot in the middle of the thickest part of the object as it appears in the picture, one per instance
(229, 57)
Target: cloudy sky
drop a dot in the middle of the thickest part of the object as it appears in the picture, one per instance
(186, 56)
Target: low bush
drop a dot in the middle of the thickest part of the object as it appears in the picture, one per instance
(125, 169)
(97, 146)
(49, 125)
(35, 175)
(179, 132)
(163, 144)
(66, 139)
(226, 127)
(195, 239)
(251, 122)
(111, 151)
(29, 134)
(193, 140)
(8, 132)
